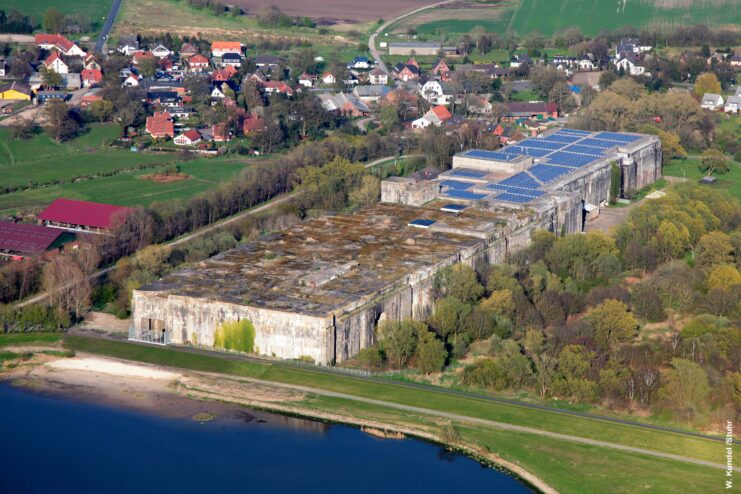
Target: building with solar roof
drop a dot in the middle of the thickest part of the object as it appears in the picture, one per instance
(318, 289)
(565, 173)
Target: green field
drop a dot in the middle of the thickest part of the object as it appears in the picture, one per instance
(592, 16)
(25, 338)
(567, 466)
(689, 168)
(96, 10)
(85, 168)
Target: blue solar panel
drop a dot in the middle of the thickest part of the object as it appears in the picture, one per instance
(463, 194)
(489, 155)
(597, 143)
(456, 184)
(548, 173)
(575, 132)
(506, 196)
(422, 223)
(540, 143)
(467, 173)
(522, 180)
(536, 152)
(571, 159)
(617, 137)
(453, 208)
(579, 148)
(564, 138)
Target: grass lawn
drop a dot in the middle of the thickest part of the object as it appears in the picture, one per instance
(525, 96)
(128, 189)
(545, 420)
(690, 168)
(96, 10)
(23, 338)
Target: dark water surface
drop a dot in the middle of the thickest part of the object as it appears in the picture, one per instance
(49, 445)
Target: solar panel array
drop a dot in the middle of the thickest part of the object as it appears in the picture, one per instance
(422, 223)
(556, 155)
(467, 173)
(548, 173)
(456, 184)
(521, 180)
(572, 160)
(463, 194)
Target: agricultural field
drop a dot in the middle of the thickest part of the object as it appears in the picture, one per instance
(85, 169)
(96, 10)
(338, 11)
(551, 16)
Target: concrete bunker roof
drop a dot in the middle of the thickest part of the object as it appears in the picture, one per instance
(334, 264)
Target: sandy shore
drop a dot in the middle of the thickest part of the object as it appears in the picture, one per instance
(179, 393)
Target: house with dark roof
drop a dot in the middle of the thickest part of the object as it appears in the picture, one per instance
(22, 240)
(85, 216)
(536, 110)
(269, 61)
(406, 72)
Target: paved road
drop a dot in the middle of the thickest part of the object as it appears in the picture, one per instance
(372, 39)
(107, 26)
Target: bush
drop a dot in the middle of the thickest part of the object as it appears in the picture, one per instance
(235, 335)
(702, 324)
(370, 357)
(485, 373)
(431, 354)
(647, 303)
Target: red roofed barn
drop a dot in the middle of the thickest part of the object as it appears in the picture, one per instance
(70, 214)
(19, 240)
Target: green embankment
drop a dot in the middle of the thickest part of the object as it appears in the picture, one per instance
(26, 338)
(666, 442)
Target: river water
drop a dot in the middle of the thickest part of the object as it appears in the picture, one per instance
(51, 445)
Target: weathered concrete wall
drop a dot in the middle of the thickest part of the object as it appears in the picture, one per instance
(644, 169)
(194, 321)
(490, 165)
(406, 191)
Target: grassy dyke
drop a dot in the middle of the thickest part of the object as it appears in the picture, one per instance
(25, 338)
(551, 421)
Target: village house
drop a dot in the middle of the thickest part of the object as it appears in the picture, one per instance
(266, 61)
(91, 63)
(221, 133)
(478, 104)
(187, 50)
(307, 80)
(160, 125)
(188, 138)
(231, 60)
(55, 63)
(277, 87)
(519, 60)
(128, 45)
(437, 92)
(712, 101)
(50, 96)
(378, 76)
(91, 77)
(406, 72)
(344, 104)
(252, 124)
(93, 217)
(370, 94)
(536, 110)
(328, 78)
(586, 63)
(223, 75)
(57, 42)
(733, 104)
(132, 80)
(507, 133)
(219, 48)
(197, 63)
(439, 67)
(492, 70)
(436, 116)
(16, 91)
(89, 99)
(359, 63)
(629, 64)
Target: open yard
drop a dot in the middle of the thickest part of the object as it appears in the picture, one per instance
(551, 16)
(689, 169)
(85, 168)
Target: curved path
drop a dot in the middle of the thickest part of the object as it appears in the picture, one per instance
(372, 39)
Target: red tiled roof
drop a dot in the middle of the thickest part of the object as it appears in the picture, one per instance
(85, 213)
(442, 113)
(93, 75)
(160, 125)
(226, 45)
(253, 124)
(27, 239)
(54, 39)
(51, 58)
(192, 135)
(198, 59)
